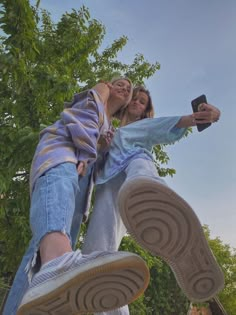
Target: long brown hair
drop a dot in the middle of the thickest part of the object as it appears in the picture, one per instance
(149, 111)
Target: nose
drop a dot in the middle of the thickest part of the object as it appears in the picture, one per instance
(126, 89)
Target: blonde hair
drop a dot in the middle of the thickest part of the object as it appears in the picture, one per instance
(118, 114)
(149, 110)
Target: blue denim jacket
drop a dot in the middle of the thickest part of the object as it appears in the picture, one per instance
(136, 140)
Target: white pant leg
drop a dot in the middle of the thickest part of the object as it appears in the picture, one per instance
(142, 167)
(106, 228)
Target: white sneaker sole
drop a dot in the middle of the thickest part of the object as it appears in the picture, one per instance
(164, 224)
(104, 284)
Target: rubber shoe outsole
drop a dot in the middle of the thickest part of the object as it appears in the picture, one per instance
(105, 284)
(164, 224)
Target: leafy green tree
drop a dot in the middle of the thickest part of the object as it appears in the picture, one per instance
(163, 295)
(226, 257)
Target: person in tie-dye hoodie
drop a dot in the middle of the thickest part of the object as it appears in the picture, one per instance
(60, 279)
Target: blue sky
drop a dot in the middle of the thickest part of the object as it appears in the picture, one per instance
(194, 41)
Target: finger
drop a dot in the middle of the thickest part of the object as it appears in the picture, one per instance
(110, 133)
(202, 107)
(203, 115)
(197, 115)
(80, 168)
(202, 121)
(109, 85)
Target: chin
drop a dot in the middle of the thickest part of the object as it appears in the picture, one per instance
(123, 101)
(133, 112)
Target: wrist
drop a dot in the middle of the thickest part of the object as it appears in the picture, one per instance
(186, 121)
(192, 120)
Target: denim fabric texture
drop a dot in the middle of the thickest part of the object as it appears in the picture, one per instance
(136, 140)
(53, 201)
(57, 198)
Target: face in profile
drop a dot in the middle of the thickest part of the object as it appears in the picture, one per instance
(138, 105)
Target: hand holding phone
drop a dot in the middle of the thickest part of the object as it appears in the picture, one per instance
(195, 104)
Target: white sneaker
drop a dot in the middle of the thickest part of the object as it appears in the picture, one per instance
(163, 223)
(82, 284)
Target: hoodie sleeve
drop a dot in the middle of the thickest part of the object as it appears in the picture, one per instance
(82, 121)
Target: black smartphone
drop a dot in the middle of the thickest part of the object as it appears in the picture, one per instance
(195, 103)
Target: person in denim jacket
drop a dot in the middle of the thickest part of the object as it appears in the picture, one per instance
(130, 196)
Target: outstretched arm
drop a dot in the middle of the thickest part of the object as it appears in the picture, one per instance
(207, 114)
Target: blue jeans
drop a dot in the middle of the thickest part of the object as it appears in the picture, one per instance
(57, 204)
